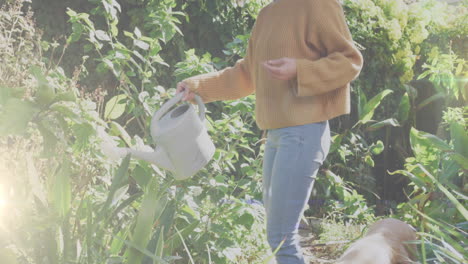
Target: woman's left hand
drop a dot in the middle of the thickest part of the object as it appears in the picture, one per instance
(283, 69)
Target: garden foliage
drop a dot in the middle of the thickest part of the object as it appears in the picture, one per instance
(402, 151)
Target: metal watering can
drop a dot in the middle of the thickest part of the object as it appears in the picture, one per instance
(184, 146)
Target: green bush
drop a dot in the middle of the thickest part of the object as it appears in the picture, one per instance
(87, 210)
(438, 180)
(120, 61)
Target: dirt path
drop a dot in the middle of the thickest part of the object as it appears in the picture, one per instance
(318, 252)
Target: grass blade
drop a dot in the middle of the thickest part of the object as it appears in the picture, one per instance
(144, 224)
(447, 193)
(160, 245)
(185, 246)
(267, 260)
(118, 181)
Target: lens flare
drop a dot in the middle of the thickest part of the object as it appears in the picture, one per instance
(3, 201)
(3, 193)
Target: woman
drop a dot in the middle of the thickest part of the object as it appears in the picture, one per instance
(299, 62)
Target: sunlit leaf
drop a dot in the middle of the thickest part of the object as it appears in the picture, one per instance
(368, 159)
(141, 44)
(415, 178)
(420, 137)
(117, 130)
(102, 35)
(137, 32)
(362, 101)
(371, 105)
(377, 148)
(115, 107)
(404, 108)
(160, 60)
(387, 122)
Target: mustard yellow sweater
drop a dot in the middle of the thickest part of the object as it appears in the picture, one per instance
(313, 32)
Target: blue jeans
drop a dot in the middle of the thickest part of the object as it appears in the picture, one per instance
(292, 158)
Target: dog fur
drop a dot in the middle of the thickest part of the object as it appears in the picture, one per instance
(384, 243)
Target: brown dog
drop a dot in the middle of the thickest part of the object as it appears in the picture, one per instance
(384, 243)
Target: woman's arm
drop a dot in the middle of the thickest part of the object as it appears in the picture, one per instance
(342, 62)
(228, 84)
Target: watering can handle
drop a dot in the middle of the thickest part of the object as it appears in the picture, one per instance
(165, 107)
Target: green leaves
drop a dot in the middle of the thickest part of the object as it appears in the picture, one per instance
(118, 182)
(369, 107)
(377, 148)
(45, 91)
(83, 133)
(444, 70)
(387, 122)
(8, 92)
(68, 96)
(366, 110)
(425, 139)
(404, 108)
(368, 159)
(450, 196)
(49, 139)
(151, 208)
(112, 8)
(8, 256)
(115, 107)
(193, 65)
(427, 148)
(436, 199)
(15, 116)
(102, 35)
(459, 136)
(61, 189)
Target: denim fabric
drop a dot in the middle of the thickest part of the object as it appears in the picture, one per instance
(292, 158)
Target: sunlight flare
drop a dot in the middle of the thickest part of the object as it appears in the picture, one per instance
(3, 201)
(4, 173)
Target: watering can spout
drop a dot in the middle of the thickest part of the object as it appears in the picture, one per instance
(158, 157)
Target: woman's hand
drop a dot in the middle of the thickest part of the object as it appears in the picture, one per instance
(283, 69)
(184, 88)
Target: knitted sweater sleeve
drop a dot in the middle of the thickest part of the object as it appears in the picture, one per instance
(228, 84)
(327, 31)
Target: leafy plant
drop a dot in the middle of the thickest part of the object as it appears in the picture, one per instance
(447, 72)
(348, 166)
(438, 179)
(66, 202)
